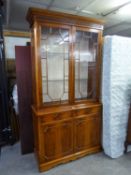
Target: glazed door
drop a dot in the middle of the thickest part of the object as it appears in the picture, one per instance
(86, 64)
(69, 64)
(87, 132)
(57, 140)
(55, 45)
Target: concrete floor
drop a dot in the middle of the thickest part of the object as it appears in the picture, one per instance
(13, 163)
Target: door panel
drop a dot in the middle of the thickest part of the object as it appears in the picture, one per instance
(67, 137)
(51, 141)
(24, 84)
(58, 139)
(87, 132)
(55, 46)
(86, 55)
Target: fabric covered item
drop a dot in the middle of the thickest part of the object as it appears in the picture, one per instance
(116, 93)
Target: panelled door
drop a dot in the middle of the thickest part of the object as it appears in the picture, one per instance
(57, 139)
(87, 132)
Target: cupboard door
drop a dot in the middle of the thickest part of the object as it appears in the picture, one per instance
(57, 140)
(66, 137)
(51, 141)
(87, 132)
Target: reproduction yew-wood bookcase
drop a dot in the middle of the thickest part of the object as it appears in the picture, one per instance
(66, 76)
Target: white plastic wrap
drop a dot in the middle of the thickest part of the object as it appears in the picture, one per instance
(15, 98)
(116, 93)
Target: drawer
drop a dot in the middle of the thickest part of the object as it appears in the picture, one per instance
(57, 116)
(87, 111)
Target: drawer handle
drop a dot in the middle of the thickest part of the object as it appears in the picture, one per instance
(57, 117)
(46, 129)
(79, 122)
(66, 125)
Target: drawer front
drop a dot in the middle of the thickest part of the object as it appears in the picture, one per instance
(57, 117)
(87, 111)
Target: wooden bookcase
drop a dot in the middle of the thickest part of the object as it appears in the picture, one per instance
(24, 88)
(66, 70)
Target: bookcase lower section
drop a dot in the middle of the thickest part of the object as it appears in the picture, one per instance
(64, 134)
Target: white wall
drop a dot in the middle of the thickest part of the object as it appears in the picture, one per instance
(11, 42)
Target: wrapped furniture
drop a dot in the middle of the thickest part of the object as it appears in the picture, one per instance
(116, 93)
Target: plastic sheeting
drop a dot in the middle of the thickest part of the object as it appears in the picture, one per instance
(15, 98)
(116, 93)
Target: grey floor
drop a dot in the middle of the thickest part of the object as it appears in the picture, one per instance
(13, 163)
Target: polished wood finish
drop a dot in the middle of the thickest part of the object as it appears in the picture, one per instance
(62, 135)
(24, 86)
(16, 33)
(69, 130)
(58, 17)
(87, 135)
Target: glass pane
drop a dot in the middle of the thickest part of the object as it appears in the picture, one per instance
(55, 62)
(85, 64)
